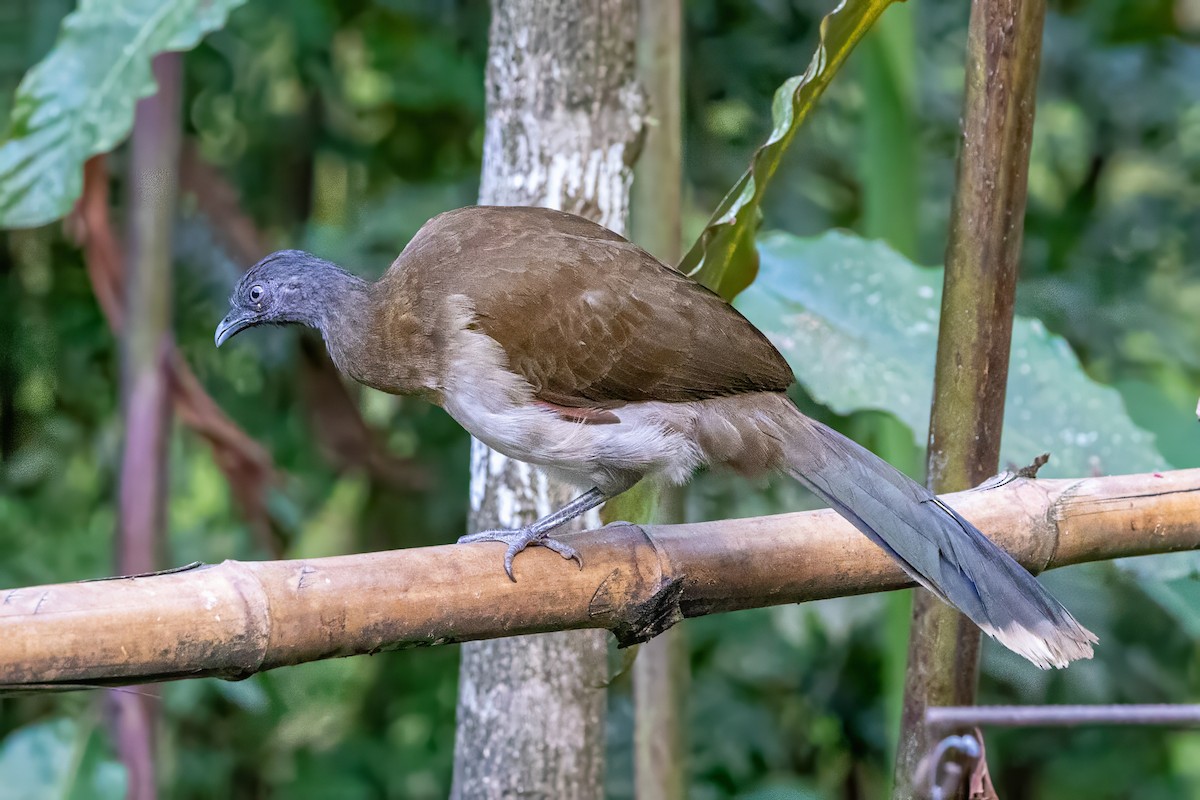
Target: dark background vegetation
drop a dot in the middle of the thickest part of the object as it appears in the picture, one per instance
(345, 125)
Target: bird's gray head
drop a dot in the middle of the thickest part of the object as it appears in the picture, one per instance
(288, 286)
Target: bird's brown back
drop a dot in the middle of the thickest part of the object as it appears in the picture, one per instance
(586, 317)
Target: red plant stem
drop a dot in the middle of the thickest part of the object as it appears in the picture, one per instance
(146, 350)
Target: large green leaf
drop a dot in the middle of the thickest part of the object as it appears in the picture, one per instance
(27, 32)
(724, 258)
(79, 100)
(63, 759)
(858, 323)
(1172, 581)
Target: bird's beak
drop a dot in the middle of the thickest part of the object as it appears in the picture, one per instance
(234, 322)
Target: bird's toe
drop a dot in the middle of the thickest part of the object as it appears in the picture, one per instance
(498, 535)
(517, 540)
(563, 549)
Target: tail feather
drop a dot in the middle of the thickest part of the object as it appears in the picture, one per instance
(935, 546)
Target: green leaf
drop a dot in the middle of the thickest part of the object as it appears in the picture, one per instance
(724, 257)
(320, 700)
(858, 324)
(1179, 597)
(79, 100)
(786, 789)
(26, 35)
(63, 759)
(1173, 582)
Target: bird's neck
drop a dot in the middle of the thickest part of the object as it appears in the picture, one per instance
(374, 334)
(347, 302)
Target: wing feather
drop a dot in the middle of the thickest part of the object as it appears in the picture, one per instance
(588, 318)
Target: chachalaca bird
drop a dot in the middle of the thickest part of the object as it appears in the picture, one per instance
(557, 342)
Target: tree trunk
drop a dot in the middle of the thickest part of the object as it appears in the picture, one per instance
(146, 347)
(563, 128)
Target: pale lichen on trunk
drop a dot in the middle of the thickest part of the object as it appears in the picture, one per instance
(564, 123)
(565, 112)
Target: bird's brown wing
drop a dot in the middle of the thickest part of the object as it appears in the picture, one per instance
(591, 320)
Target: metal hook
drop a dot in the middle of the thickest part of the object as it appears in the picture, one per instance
(945, 784)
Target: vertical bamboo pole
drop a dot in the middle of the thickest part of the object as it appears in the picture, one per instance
(146, 345)
(982, 254)
(660, 670)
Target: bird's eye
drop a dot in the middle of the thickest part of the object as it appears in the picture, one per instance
(256, 293)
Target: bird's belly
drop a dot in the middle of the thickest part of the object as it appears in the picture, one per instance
(497, 407)
(610, 456)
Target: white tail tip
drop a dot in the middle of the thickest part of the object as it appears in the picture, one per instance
(1050, 645)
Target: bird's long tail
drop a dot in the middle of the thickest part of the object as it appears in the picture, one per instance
(935, 546)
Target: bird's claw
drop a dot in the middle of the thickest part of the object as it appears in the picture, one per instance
(517, 540)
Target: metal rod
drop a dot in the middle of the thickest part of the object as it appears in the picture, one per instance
(948, 717)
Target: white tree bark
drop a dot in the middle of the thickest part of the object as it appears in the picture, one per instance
(564, 124)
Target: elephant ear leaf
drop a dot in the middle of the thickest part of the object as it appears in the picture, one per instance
(79, 100)
(724, 258)
(858, 323)
(60, 758)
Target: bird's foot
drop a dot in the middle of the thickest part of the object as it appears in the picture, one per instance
(517, 540)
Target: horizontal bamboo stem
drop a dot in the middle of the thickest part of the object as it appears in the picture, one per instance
(237, 618)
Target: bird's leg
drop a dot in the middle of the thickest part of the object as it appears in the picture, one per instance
(536, 533)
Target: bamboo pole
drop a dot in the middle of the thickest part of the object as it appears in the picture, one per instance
(237, 618)
(982, 257)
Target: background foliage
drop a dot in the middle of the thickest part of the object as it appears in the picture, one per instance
(345, 125)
